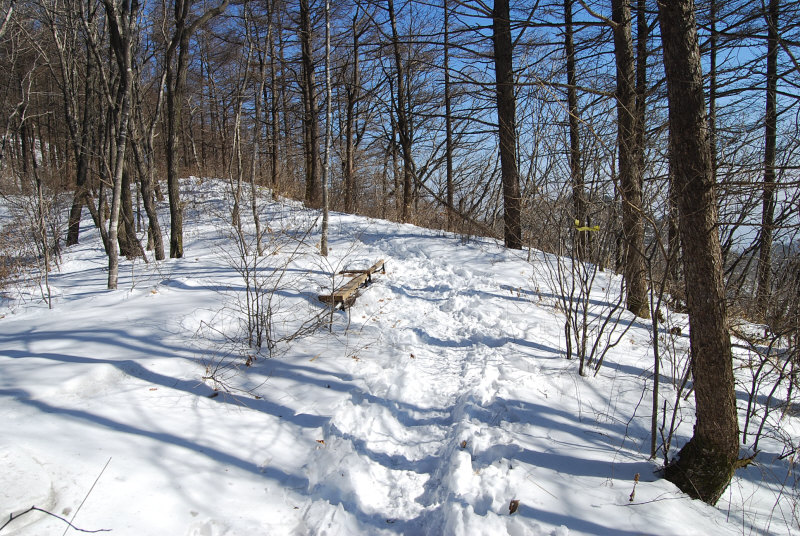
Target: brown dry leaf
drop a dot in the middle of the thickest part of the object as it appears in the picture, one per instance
(513, 506)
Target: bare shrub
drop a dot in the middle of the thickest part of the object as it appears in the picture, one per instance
(263, 310)
(31, 234)
(592, 305)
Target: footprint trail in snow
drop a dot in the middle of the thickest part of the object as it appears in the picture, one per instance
(399, 456)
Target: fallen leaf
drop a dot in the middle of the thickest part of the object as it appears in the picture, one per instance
(513, 506)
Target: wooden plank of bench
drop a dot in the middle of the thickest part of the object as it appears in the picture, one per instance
(371, 270)
(341, 294)
(344, 294)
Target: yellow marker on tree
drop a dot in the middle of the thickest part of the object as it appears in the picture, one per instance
(579, 227)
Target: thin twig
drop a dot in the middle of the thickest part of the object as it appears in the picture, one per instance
(660, 498)
(12, 517)
(78, 509)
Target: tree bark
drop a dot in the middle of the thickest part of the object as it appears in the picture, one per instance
(353, 94)
(448, 119)
(81, 149)
(311, 126)
(122, 22)
(506, 122)
(323, 246)
(713, 44)
(143, 153)
(770, 142)
(403, 124)
(706, 464)
(630, 171)
(176, 87)
(274, 101)
(79, 133)
(576, 173)
(129, 243)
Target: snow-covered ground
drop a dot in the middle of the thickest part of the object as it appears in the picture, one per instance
(441, 396)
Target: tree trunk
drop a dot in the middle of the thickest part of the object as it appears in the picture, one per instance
(122, 22)
(448, 119)
(576, 173)
(176, 87)
(323, 246)
(255, 160)
(713, 44)
(81, 150)
(174, 107)
(274, 34)
(630, 172)
(770, 141)
(403, 126)
(128, 241)
(273, 88)
(705, 465)
(506, 123)
(311, 108)
(143, 153)
(353, 92)
(148, 199)
(79, 134)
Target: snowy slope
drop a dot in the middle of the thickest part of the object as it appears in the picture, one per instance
(439, 398)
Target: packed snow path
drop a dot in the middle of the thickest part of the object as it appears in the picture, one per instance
(439, 398)
(415, 429)
(463, 404)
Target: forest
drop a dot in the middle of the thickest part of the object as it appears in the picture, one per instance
(655, 140)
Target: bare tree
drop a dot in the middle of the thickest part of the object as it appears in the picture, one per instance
(143, 134)
(705, 464)
(579, 201)
(506, 123)
(311, 107)
(770, 141)
(448, 117)
(176, 87)
(630, 171)
(353, 96)
(323, 247)
(122, 20)
(72, 59)
(401, 115)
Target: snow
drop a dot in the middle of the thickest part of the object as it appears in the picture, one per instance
(442, 395)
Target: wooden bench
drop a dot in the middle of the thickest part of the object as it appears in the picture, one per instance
(346, 293)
